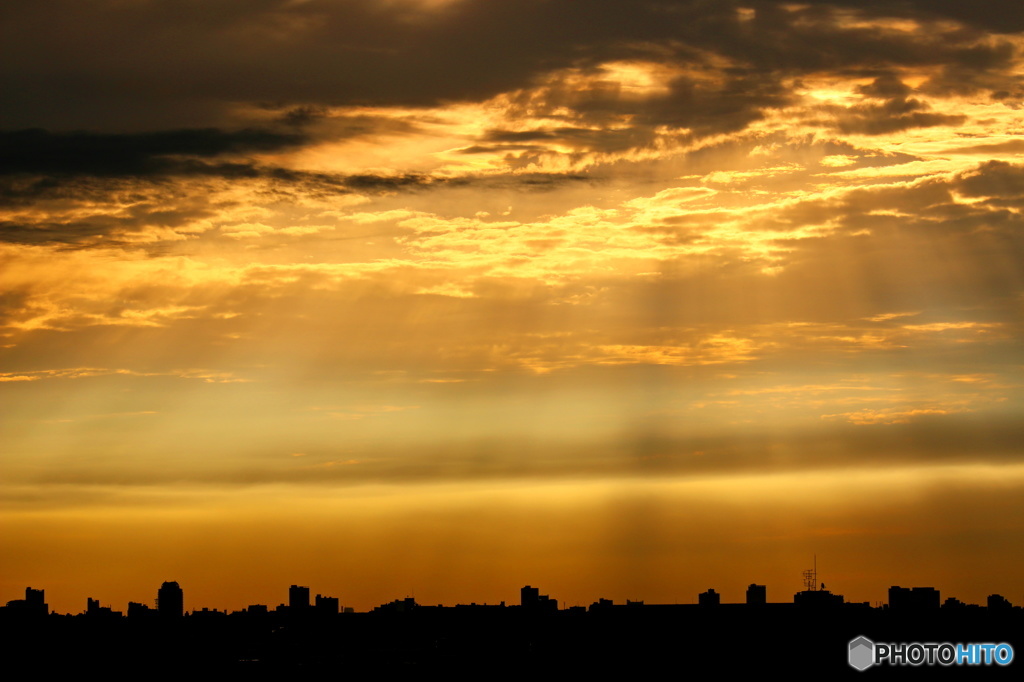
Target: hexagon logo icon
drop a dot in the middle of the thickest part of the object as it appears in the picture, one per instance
(862, 653)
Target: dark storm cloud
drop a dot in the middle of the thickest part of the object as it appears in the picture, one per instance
(154, 66)
(993, 179)
(107, 65)
(728, 106)
(38, 163)
(485, 149)
(83, 153)
(57, 156)
(897, 111)
(303, 115)
(989, 15)
(712, 101)
(151, 210)
(151, 196)
(87, 184)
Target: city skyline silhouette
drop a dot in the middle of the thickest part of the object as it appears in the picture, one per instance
(818, 631)
(169, 601)
(637, 301)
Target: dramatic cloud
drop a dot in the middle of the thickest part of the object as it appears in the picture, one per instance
(418, 271)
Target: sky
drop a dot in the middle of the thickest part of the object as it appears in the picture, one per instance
(440, 298)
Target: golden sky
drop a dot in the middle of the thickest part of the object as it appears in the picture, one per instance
(619, 299)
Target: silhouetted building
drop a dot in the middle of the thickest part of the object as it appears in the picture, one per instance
(33, 603)
(531, 598)
(327, 606)
(398, 606)
(170, 601)
(610, 640)
(709, 598)
(298, 597)
(207, 613)
(35, 598)
(94, 610)
(913, 598)
(818, 599)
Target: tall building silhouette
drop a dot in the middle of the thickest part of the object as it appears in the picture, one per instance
(757, 595)
(34, 603)
(35, 598)
(298, 597)
(170, 600)
(531, 598)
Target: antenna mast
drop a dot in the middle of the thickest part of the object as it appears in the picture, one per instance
(811, 577)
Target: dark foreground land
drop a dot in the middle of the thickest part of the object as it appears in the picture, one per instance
(493, 641)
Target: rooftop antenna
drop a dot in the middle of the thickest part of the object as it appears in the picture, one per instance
(811, 577)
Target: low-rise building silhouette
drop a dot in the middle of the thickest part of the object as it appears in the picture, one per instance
(326, 606)
(913, 598)
(709, 598)
(94, 610)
